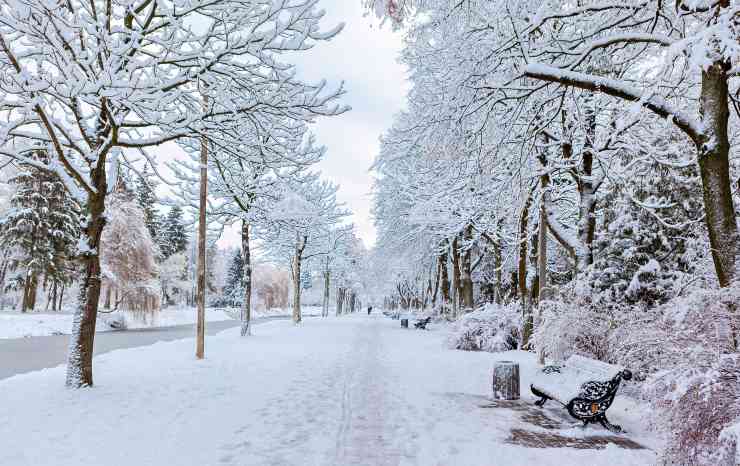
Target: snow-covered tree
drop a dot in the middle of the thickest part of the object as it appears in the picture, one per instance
(40, 232)
(113, 77)
(147, 199)
(129, 256)
(299, 225)
(174, 237)
(233, 289)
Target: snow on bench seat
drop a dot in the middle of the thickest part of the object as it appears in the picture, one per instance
(566, 384)
(585, 387)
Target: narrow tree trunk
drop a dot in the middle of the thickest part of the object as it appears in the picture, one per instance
(455, 277)
(466, 274)
(325, 303)
(542, 271)
(715, 172)
(26, 294)
(246, 311)
(340, 300)
(3, 273)
(79, 359)
(498, 262)
(522, 274)
(54, 291)
(201, 291)
(445, 281)
(435, 293)
(107, 296)
(33, 292)
(61, 297)
(29, 293)
(297, 285)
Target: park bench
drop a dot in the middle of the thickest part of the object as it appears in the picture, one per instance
(422, 324)
(585, 387)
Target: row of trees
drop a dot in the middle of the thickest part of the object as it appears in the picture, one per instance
(40, 230)
(563, 129)
(576, 160)
(110, 81)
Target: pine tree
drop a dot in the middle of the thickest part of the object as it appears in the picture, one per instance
(41, 231)
(637, 258)
(174, 236)
(147, 199)
(233, 291)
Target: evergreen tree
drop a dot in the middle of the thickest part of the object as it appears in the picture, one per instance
(233, 290)
(41, 231)
(147, 199)
(174, 236)
(638, 258)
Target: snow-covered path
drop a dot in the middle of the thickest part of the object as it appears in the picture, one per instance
(348, 391)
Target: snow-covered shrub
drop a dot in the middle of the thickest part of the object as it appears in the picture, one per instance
(492, 328)
(116, 321)
(573, 328)
(689, 352)
(700, 411)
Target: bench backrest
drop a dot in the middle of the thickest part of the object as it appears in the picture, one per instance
(596, 370)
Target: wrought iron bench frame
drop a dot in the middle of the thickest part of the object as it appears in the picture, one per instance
(422, 323)
(593, 400)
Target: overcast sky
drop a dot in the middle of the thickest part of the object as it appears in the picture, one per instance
(364, 56)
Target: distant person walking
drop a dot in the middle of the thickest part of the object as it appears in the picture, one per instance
(369, 310)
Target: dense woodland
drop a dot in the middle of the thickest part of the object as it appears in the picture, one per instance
(564, 175)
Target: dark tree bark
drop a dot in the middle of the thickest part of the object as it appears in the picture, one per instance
(455, 276)
(522, 270)
(30, 289)
(435, 293)
(466, 273)
(79, 361)
(444, 280)
(246, 310)
(714, 166)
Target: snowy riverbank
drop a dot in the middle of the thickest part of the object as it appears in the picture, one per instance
(14, 324)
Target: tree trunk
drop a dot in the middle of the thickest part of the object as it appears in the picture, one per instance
(246, 311)
(79, 359)
(340, 300)
(435, 293)
(455, 277)
(53, 296)
(107, 296)
(201, 291)
(715, 172)
(297, 286)
(542, 270)
(466, 274)
(445, 281)
(522, 273)
(325, 303)
(61, 297)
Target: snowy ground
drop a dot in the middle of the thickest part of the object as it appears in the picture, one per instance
(14, 324)
(348, 391)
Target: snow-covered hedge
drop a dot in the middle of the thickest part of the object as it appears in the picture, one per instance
(492, 328)
(691, 349)
(573, 328)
